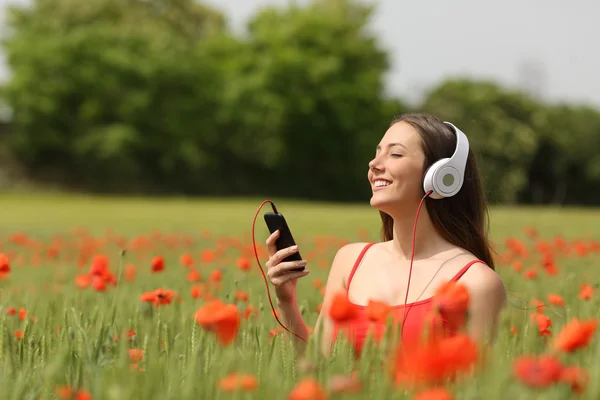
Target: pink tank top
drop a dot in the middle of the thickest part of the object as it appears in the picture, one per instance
(417, 316)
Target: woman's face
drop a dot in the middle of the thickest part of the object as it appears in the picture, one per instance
(396, 172)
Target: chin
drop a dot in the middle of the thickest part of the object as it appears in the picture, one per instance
(382, 204)
(391, 203)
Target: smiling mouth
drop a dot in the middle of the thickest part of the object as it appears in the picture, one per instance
(381, 183)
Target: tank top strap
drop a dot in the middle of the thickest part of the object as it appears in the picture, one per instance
(465, 269)
(357, 263)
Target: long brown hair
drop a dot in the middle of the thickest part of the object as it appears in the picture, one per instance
(462, 219)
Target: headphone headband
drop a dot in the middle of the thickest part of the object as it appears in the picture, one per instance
(445, 177)
(461, 152)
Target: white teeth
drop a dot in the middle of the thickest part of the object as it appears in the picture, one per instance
(381, 183)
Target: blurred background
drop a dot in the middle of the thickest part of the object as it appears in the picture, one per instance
(286, 98)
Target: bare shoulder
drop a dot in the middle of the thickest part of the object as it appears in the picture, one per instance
(346, 256)
(484, 283)
(351, 249)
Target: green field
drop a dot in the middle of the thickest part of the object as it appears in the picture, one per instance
(51, 213)
(71, 341)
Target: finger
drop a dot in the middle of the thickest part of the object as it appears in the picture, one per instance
(286, 268)
(283, 253)
(288, 277)
(271, 247)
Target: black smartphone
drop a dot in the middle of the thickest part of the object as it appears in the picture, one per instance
(276, 221)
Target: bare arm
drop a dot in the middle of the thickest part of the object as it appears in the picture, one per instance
(488, 298)
(290, 315)
(336, 282)
(284, 277)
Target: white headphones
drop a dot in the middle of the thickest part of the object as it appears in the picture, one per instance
(445, 177)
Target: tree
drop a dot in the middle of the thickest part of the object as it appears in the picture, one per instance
(110, 92)
(305, 99)
(566, 166)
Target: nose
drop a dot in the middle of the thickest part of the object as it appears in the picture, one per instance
(375, 164)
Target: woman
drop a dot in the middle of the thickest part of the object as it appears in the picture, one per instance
(450, 244)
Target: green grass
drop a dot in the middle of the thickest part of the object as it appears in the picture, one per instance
(71, 340)
(50, 213)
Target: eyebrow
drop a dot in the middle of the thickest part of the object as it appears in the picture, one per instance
(391, 145)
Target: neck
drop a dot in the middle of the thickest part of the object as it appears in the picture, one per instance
(427, 240)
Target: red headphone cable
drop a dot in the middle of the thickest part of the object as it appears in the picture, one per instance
(412, 256)
(263, 273)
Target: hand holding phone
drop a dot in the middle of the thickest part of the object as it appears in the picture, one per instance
(285, 263)
(276, 222)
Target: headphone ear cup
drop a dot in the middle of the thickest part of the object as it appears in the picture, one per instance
(431, 177)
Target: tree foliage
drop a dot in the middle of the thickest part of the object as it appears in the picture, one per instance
(158, 96)
(108, 92)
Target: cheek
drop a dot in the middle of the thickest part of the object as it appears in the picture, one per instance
(410, 179)
(409, 174)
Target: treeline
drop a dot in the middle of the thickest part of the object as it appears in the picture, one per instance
(159, 97)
